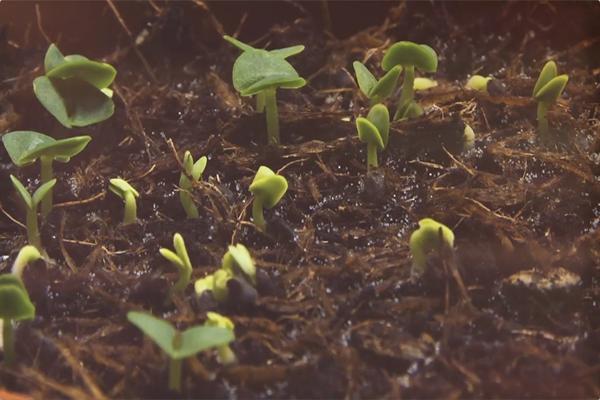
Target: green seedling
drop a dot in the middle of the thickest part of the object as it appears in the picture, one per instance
(424, 84)
(431, 237)
(125, 191)
(268, 189)
(27, 255)
(546, 92)
(215, 283)
(479, 83)
(409, 55)
(376, 90)
(177, 344)
(374, 131)
(226, 355)
(75, 89)
(192, 172)
(15, 305)
(31, 204)
(468, 138)
(181, 261)
(261, 72)
(26, 147)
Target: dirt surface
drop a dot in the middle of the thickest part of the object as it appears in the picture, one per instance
(516, 313)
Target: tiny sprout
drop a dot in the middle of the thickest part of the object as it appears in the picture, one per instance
(179, 345)
(424, 83)
(31, 205)
(181, 261)
(268, 188)
(409, 55)
(124, 190)
(215, 283)
(261, 72)
(75, 89)
(431, 237)
(468, 138)
(376, 90)
(479, 83)
(194, 171)
(15, 305)
(226, 355)
(374, 131)
(27, 254)
(25, 147)
(547, 90)
(238, 260)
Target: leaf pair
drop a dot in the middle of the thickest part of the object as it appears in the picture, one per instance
(15, 303)
(549, 85)
(194, 171)
(268, 187)
(376, 90)
(180, 260)
(125, 191)
(430, 237)
(32, 202)
(375, 129)
(25, 147)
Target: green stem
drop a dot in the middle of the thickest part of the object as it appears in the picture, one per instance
(175, 375)
(257, 214)
(542, 110)
(372, 156)
(9, 341)
(186, 199)
(33, 231)
(46, 175)
(260, 102)
(272, 116)
(226, 355)
(407, 95)
(130, 214)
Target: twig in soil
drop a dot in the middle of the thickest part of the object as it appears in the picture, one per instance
(38, 16)
(460, 164)
(13, 219)
(68, 259)
(95, 197)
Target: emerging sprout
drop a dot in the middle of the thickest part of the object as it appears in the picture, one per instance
(261, 72)
(75, 89)
(215, 283)
(424, 83)
(181, 261)
(376, 90)
(27, 254)
(31, 205)
(125, 191)
(431, 237)
(479, 83)
(268, 188)
(547, 90)
(409, 55)
(25, 147)
(194, 171)
(226, 355)
(468, 138)
(374, 131)
(179, 345)
(15, 305)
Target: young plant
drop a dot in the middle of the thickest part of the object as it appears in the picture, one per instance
(31, 206)
(431, 238)
(125, 191)
(409, 55)
(546, 91)
(468, 138)
(26, 147)
(268, 188)
(181, 261)
(75, 89)
(424, 84)
(376, 90)
(27, 254)
(216, 283)
(374, 131)
(226, 355)
(261, 72)
(15, 305)
(479, 83)
(192, 173)
(179, 345)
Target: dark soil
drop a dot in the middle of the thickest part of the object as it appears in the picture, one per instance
(515, 314)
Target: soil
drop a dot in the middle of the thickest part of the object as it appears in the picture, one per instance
(515, 312)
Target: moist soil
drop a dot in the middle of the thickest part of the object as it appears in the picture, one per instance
(515, 312)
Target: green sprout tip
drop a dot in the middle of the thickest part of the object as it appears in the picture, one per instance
(268, 188)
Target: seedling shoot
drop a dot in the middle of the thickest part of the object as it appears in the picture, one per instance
(125, 191)
(27, 255)
(192, 173)
(547, 90)
(374, 131)
(15, 305)
(181, 261)
(431, 238)
(268, 188)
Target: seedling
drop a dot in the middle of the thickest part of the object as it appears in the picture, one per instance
(15, 305)
(31, 205)
(268, 188)
(27, 254)
(261, 72)
(181, 261)
(215, 283)
(75, 89)
(479, 83)
(226, 355)
(177, 344)
(424, 84)
(192, 172)
(376, 90)
(468, 137)
(26, 147)
(431, 237)
(546, 91)
(124, 190)
(374, 131)
(409, 55)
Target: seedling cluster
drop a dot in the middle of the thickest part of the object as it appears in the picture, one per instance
(547, 90)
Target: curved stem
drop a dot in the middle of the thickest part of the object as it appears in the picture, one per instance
(257, 214)
(272, 116)
(9, 341)
(260, 102)
(175, 375)
(372, 156)
(33, 231)
(226, 355)
(542, 110)
(46, 175)
(130, 214)
(407, 95)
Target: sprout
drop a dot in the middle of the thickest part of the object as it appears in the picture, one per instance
(226, 355)
(424, 84)
(179, 345)
(261, 72)
(468, 138)
(27, 254)
(215, 283)
(75, 89)
(31, 205)
(547, 90)
(125, 191)
(479, 83)
(409, 55)
(25, 147)
(374, 131)
(376, 90)
(15, 305)
(268, 188)
(181, 261)
(194, 171)
(431, 237)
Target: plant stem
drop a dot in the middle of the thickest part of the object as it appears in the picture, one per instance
(9, 341)
(46, 175)
(130, 214)
(407, 95)
(260, 102)
(33, 231)
(272, 116)
(186, 199)
(175, 375)
(372, 156)
(542, 110)
(257, 214)
(226, 355)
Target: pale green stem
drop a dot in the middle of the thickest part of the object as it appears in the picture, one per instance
(226, 355)
(33, 231)
(257, 214)
(46, 175)
(260, 102)
(185, 274)
(186, 199)
(175, 375)
(542, 110)
(272, 116)
(9, 341)
(372, 156)
(407, 95)
(130, 214)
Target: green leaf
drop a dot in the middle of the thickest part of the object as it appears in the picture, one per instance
(199, 167)
(387, 84)
(95, 73)
(204, 284)
(365, 79)
(424, 83)
(408, 53)
(200, 338)
(287, 51)
(368, 132)
(53, 58)
(547, 73)
(552, 90)
(268, 187)
(172, 257)
(22, 192)
(179, 246)
(216, 319)
(15, 303)
(42, 192)
(159, 330)
(86, 104)
(237, 43)
(18, 143)
(426, 239)
(120, 186)
(240, 257)
(60, 150)
(478, 82)
(274, 81)
(380, 117)
(52, 100)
